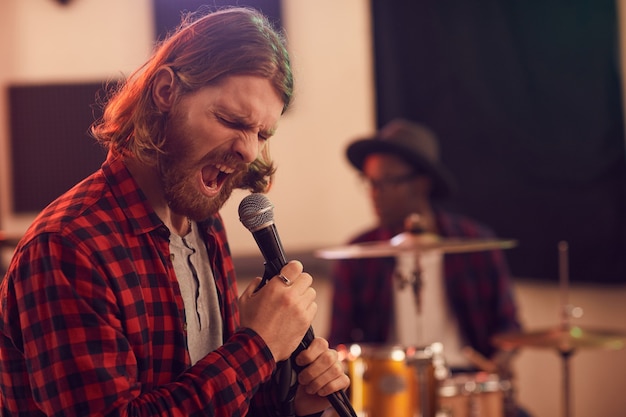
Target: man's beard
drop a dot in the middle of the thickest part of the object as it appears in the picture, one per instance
(179, 177)
(183, 197)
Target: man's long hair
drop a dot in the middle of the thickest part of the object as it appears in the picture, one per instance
(203, 50)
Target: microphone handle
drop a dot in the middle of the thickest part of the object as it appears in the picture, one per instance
(269, 243)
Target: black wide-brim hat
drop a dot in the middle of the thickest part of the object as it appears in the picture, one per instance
(414, 143)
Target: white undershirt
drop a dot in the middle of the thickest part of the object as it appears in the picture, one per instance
(434, 320)
(197, 287)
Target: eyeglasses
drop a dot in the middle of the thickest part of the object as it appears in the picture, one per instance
(388, 183)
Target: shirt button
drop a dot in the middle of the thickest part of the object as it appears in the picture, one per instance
(172, 257)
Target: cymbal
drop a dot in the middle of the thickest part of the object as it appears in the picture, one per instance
(564, 339)
(408, 242)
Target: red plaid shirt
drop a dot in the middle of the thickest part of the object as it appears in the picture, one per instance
(92, 320)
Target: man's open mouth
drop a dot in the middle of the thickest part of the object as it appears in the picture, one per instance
(214, 176)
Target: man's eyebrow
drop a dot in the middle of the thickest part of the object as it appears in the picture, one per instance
(242, 119)
(269, 132)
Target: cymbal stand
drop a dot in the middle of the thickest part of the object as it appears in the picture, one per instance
(567, 312)
(407, 285)
(565, 355)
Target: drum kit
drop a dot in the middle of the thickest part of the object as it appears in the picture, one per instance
(415, 382)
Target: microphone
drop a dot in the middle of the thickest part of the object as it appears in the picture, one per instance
(256, 213)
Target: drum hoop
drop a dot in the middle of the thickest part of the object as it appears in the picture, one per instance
(472, 383)
(387, 352)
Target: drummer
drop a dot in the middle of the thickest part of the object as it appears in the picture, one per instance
(473, 294)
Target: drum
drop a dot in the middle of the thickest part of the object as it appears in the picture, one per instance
(391, 380)
(473, 394)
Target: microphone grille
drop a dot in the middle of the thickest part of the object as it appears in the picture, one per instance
(256, 211)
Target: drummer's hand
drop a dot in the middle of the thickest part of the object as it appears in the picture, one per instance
(503, 360)
(322, 375)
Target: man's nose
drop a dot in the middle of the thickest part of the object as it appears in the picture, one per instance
(247, 146)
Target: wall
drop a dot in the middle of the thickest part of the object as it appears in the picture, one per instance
(318, 202)
(333, 96)
(45, 42)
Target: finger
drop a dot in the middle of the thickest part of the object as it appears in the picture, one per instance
(292, 275)
(292, 270)
(341, 383)
(251, 287)
(285, 280)
(317, 347)
(321, 367)
(322, 364)
(330, 380)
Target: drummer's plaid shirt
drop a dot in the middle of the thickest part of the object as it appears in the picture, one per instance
(92, 320)
(478, 286)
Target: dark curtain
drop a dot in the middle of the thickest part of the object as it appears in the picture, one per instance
(525, 97)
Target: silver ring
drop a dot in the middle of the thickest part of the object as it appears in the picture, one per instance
(285, 280)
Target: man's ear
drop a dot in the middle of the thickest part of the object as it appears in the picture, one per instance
(163, 89)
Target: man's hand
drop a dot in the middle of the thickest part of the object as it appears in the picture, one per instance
(322, 375)
(280, 313)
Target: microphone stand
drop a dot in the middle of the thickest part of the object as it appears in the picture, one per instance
(256, 214)
(286, 376)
